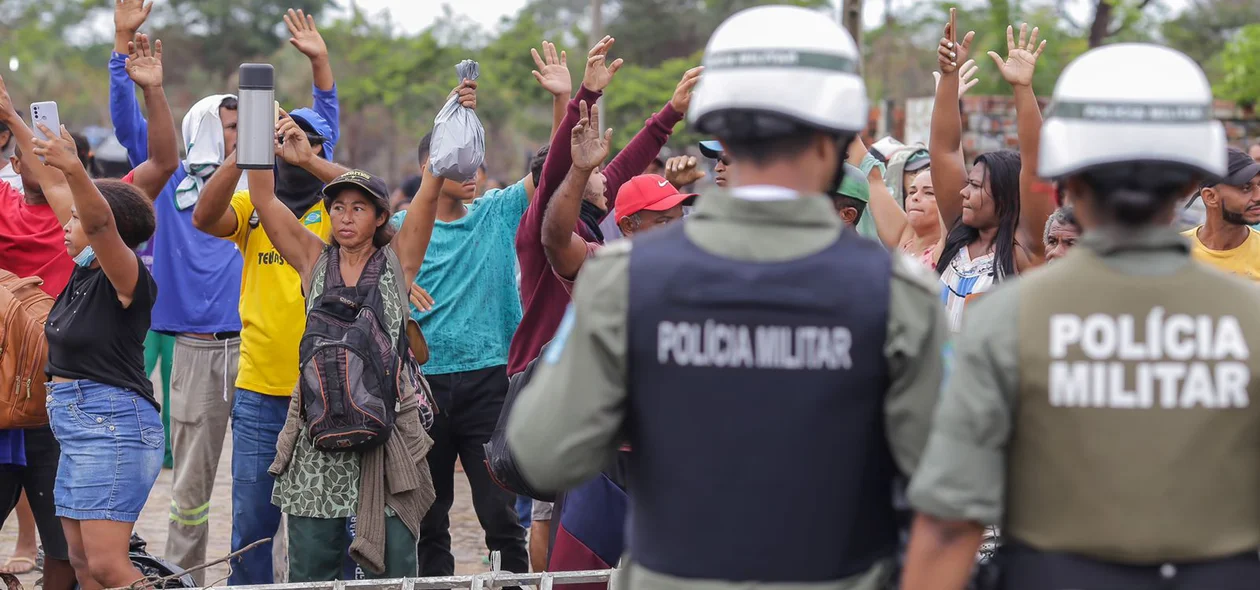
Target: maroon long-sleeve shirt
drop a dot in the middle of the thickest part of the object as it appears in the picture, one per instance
(543, 297)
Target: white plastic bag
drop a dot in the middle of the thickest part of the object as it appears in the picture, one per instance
(459, 143)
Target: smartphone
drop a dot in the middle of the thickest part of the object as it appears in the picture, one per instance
(46, 113)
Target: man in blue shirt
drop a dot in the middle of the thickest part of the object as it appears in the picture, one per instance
(199, 278)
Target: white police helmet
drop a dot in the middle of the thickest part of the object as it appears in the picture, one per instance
(1131, 102)
(771, 68)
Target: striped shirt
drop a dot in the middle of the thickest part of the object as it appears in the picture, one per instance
(963, 280)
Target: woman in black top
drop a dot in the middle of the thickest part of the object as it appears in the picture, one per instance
(100, 402)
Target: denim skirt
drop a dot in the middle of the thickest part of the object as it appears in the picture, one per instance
(111, 450)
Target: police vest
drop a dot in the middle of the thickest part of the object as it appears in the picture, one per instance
(1134, 437)
(756, 412)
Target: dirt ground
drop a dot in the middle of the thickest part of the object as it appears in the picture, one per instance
(467, 540)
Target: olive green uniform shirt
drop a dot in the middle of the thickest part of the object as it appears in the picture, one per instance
(567, 424)
(963, 472)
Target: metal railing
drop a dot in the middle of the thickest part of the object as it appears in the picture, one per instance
(495, 578)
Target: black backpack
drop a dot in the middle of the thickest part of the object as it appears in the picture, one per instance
(499, 460)
(349, 359)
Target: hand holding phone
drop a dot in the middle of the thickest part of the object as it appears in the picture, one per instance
(45, 113)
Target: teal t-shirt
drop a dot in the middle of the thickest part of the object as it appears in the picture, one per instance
(470, 271)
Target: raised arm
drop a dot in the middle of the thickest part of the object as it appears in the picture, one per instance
(144, 66)
(949, 169)
(306, 38)
(558, 161)
(296, 149)
(322, 169)
(412, 240)
(296, 244)
(94, 214)
(129, 125)
(647, 143)
(566, 251)
(1035, 206)
(213, 213)
(51, 181)
(553, 75)
(890, 220)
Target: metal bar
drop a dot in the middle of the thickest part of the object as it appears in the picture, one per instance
(501, 580)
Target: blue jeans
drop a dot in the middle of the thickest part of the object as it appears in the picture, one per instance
(525, 510)
(256, 423)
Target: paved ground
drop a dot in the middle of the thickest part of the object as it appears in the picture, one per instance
(467, 540)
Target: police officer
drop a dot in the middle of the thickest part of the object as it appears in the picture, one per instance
(1100, 407)
(771, 370)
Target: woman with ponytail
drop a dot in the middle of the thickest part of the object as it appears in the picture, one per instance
(996, 211)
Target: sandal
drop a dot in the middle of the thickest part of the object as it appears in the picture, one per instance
(9, 566)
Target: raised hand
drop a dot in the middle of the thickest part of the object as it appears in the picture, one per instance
(306, 37)
(966, 79)
(7, 111)
(588, 147)
(1021, 58)
(144, 62)
(59, 152)
(599, 73)
(681, 171)
(681, 101)
(553, 70)
(292, 144)
(950, 54)
(129, 15)
(467, 93)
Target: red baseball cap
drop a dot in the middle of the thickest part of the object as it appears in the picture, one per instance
(648, 192)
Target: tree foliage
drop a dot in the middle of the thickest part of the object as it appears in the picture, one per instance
(226, 33)
(1240, 63)
(660, 30)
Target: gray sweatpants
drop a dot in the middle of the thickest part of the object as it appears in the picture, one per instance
(203, 385)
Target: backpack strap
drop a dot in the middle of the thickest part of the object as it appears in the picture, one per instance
(333, 278)
(395, 266)
(319, 279)
(371, 275)
(411, 333)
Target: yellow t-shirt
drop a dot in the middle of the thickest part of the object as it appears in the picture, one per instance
(1243, 261)
(273, 311)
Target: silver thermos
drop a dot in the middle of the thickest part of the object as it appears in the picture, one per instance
(256, 122)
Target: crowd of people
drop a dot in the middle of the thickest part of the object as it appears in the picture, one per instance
(890, 348)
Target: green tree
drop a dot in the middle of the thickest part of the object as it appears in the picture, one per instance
(226, 33)
(651, 32)
(1240, 64)
(638, 92)
(48, 66)
(1202, 29)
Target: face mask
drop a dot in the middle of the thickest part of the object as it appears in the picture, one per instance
(85, 258)
(298, 189)
(590, 216)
